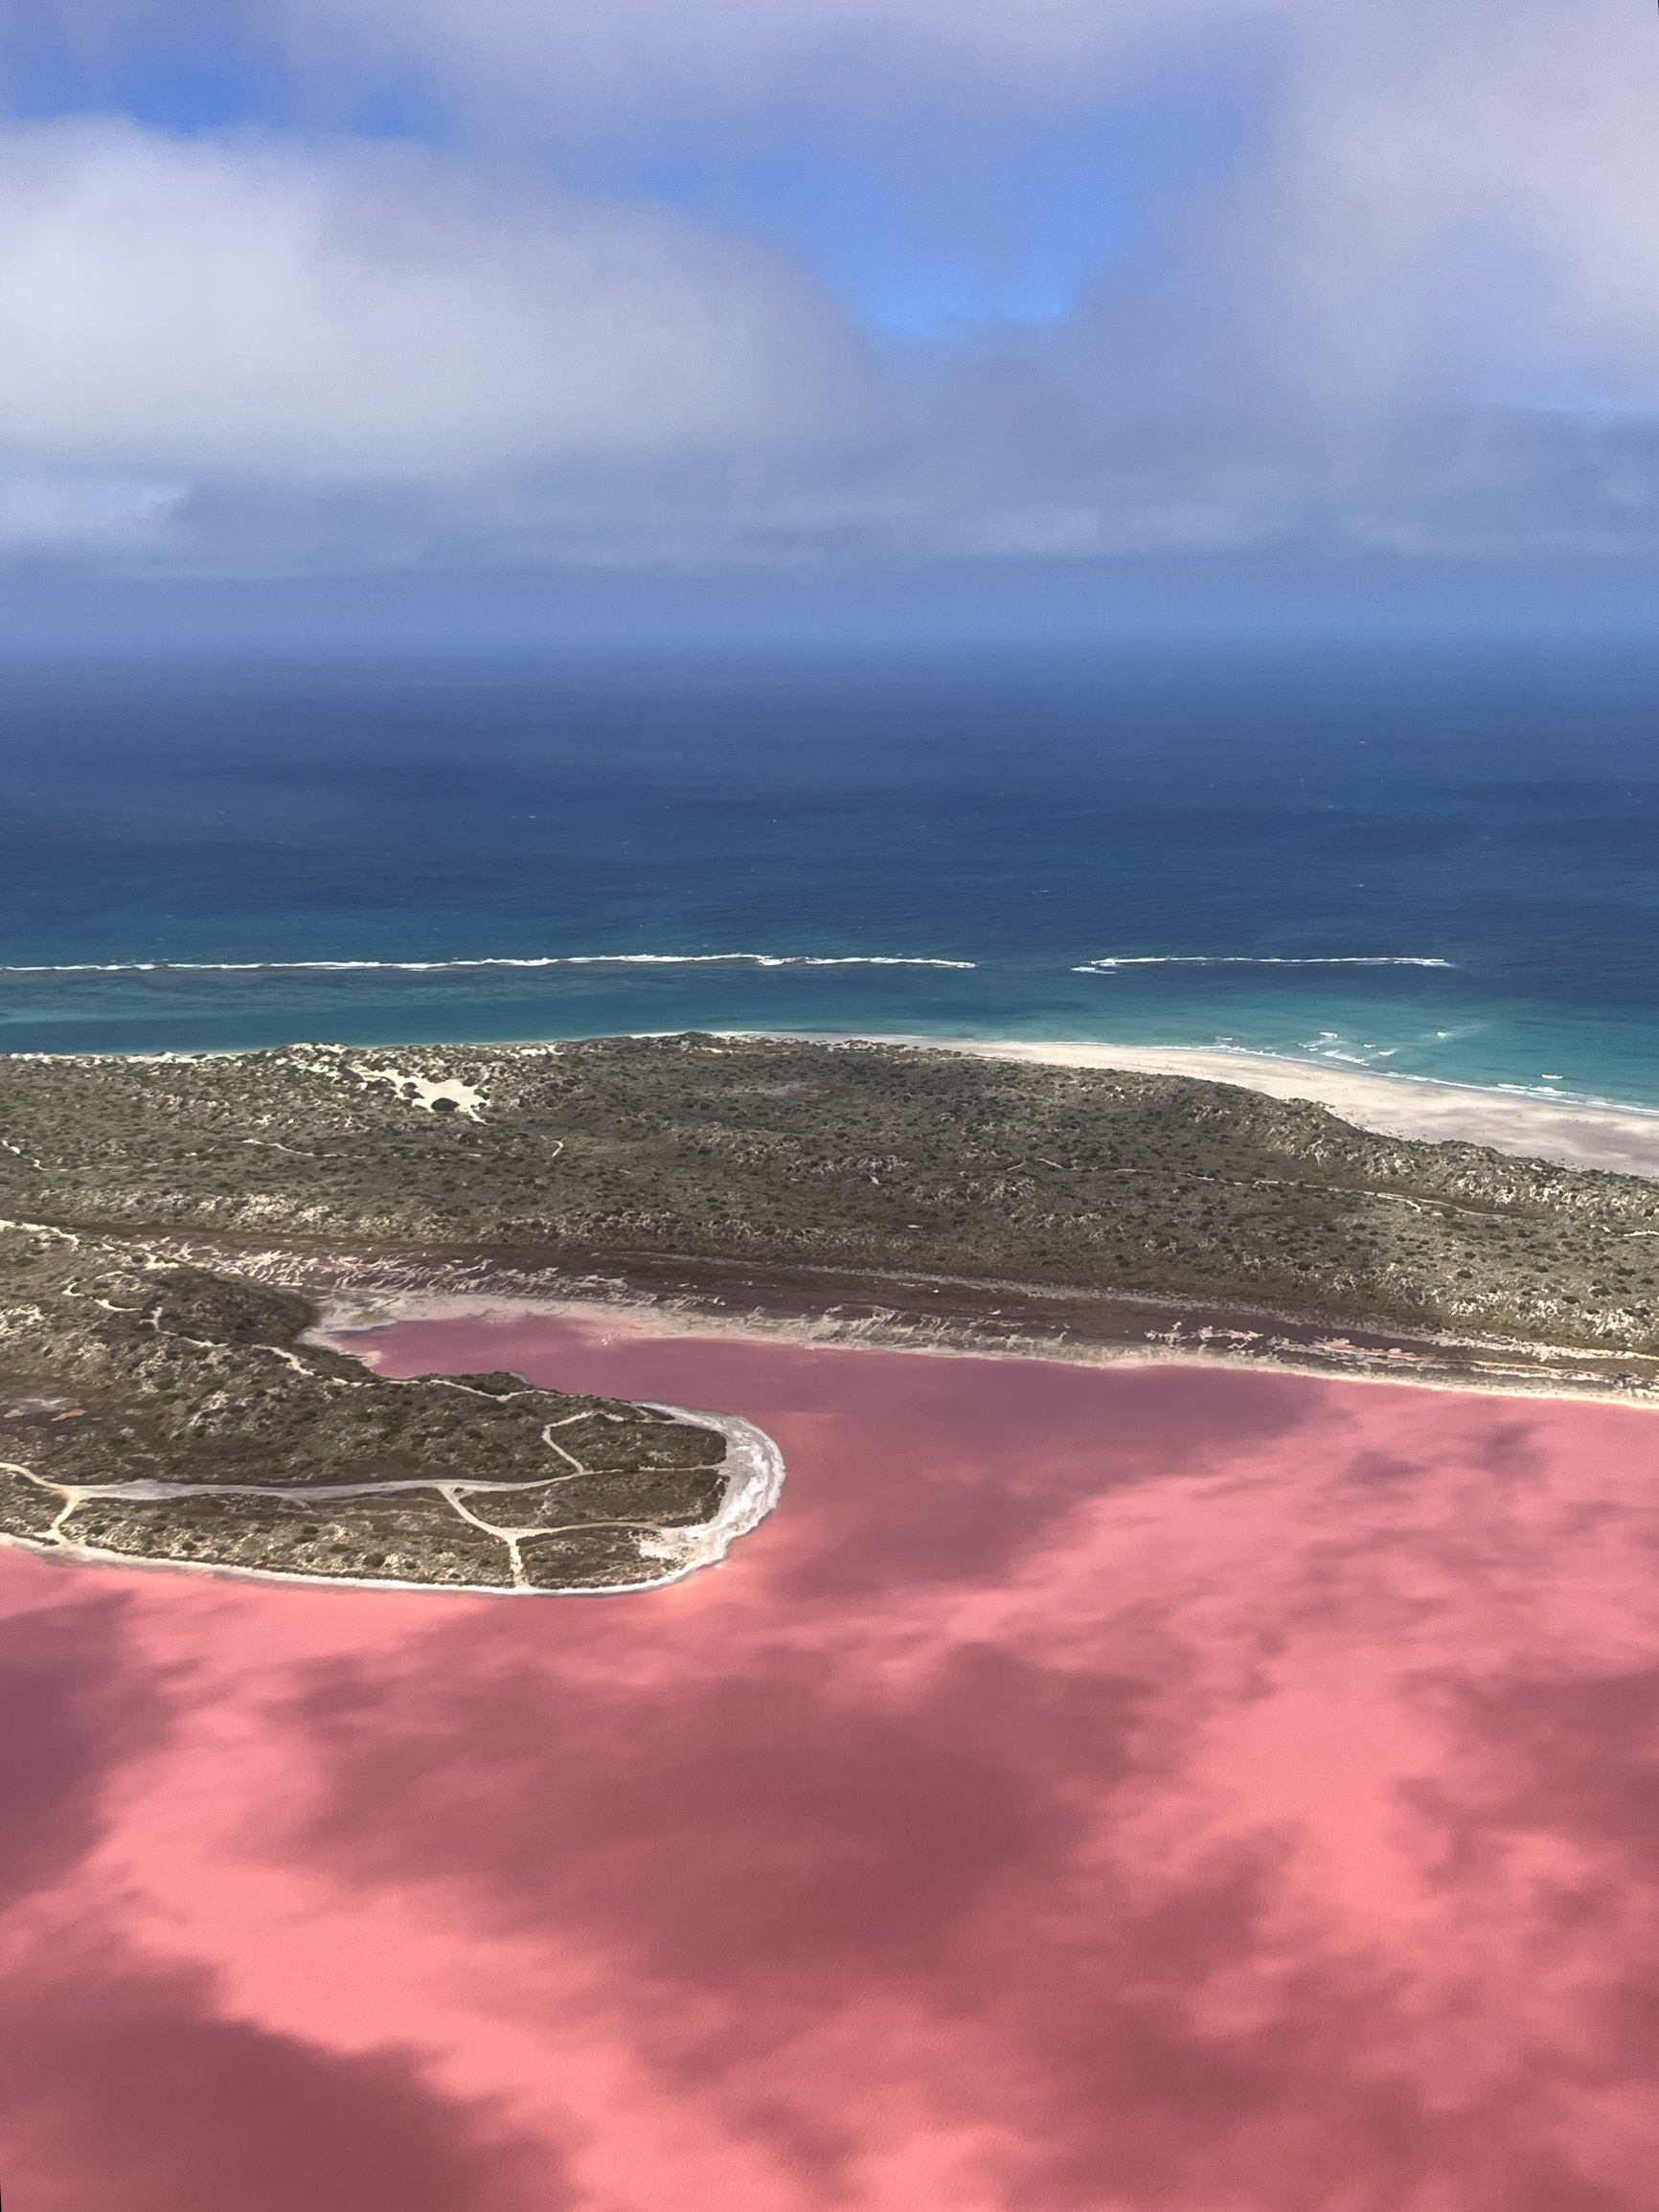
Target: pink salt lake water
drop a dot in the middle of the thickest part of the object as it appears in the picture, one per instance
(1168, 1790)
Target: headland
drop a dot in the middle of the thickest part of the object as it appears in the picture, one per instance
(159, 1413)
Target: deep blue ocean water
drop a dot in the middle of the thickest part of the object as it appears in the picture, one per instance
(184, 834)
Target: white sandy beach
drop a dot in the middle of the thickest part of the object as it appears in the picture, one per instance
(1622, 1140)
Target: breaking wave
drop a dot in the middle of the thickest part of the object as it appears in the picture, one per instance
(1106, 967)
(441, 967)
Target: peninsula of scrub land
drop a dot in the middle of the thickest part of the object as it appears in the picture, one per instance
(157, 1412)
(177, 1224)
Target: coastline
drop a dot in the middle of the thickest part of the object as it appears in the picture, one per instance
(827, 1309)
(954, 1292)
(1411, 1364)
(1570, 1132)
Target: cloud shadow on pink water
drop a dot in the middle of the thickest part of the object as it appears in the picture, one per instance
(80, 1701)
(1161, 1789)
(123, 2088)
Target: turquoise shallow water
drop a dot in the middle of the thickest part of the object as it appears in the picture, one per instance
(1275, 840)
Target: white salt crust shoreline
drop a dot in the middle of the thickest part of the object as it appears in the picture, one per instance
(1573, 1133)
(349, 1319)
(752, 1467)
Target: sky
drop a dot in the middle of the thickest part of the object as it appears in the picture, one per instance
(772, 287)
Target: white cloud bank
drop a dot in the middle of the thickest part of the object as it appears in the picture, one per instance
(251, 313)
(1419, 310)
(1433, 187)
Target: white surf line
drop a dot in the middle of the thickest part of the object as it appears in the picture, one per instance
(1111, 963)
(736, 960)
(440, 967)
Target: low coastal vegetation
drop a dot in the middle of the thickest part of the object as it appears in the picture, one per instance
(163, 1412)
(155, 1408)
(860, 1158)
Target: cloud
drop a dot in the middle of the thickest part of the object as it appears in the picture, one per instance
(667, 56)
(1455, 201)
(1402, 297)
(244, 311)
(65, 515)
(1421, 197)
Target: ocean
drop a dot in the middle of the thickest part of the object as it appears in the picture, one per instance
(1430, 859)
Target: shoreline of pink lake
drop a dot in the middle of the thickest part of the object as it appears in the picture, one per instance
(1127, 1789)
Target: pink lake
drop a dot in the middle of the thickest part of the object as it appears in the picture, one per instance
(1197, 1791)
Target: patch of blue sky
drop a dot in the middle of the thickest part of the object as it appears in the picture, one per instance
(954, 222)
(923, 225)
(206, 78)
(207, 82)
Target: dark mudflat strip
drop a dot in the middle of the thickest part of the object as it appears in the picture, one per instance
(947, 1315)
